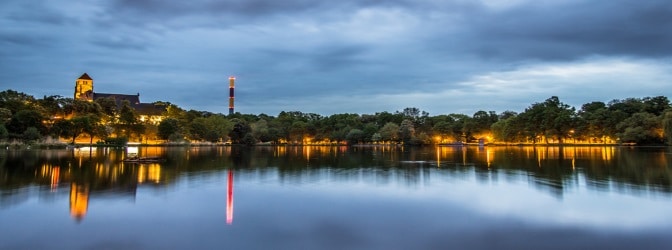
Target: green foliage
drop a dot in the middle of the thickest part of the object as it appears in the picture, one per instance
(176, 137)
(24, 119)
(640, 128)
(31, 134)
(4, 134)
(248, 140)
(5, 115)
(108, 107)
(376, 137)
(116, 141)
(167, 128)
(506, 130)
(406, 131)
(639, 120)
(355, 136)
(239, 131)
(667, 126)
(213, 128)
(389, 132)
(16, 101)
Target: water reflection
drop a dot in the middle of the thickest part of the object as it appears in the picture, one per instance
(79, 201)
(229, 198)
(338, 197)
(555, 170)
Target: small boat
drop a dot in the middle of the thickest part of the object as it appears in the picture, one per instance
(143, 160)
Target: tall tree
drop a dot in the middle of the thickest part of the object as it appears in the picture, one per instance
(240, 129)
(389, 132)
(167, 128)
(641, 128)
(406, 131)
(667, 126)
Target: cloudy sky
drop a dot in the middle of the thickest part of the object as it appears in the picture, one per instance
(346, 56)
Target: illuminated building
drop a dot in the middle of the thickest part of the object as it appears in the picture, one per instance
(84, 87)
(231, 87)
(147, 112)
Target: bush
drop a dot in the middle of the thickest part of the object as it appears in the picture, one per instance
(116, 141)
(4, 134)
(249, 139)
(176, 137)
(31, 134)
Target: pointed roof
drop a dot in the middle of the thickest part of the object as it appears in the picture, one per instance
(85, 77)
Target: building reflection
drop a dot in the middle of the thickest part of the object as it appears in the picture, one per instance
(79, 201)
(229, 198)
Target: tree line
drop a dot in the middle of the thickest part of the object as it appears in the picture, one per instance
(645, 120)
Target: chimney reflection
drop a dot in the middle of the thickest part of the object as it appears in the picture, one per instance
(229, 199)
(79, 201)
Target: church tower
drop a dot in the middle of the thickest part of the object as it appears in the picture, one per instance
(84, 88)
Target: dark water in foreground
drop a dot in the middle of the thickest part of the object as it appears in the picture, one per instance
(337, 198)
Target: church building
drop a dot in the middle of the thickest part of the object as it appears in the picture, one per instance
(149, 112)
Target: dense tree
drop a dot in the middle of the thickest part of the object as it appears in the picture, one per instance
(640, 120)
(167, 128)
(51, 106)
(508, 130)
(24, 119)
(240, 129)
(108, 108)
(480, 122)
(31, 134)
(214, 128)
(656, 105)
(128, 122)
(667, 126)
(406, 131)
(641, 127)
(4, 134)
(389, 132)
(16, 101)
(73, 128)
(355, 136)
(593, 121)
(5, 115)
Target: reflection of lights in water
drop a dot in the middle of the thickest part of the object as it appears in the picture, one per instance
(149, 172)
(154, 173)
(308, 153)
(229, 199)
(79, 201)
(438, 157)
(132, 151)
(55, 177)
(141, 174)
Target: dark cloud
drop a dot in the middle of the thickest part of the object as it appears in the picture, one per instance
(125, 42)
(37, 12)
(572, 30)
(23, 39)
(300, 54)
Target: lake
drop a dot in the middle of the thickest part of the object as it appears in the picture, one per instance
(378, 197)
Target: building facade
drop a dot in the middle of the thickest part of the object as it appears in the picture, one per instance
(147, 112)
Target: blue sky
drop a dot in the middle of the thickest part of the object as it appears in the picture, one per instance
(326, 57)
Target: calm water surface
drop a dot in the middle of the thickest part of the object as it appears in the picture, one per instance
(337, 198)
